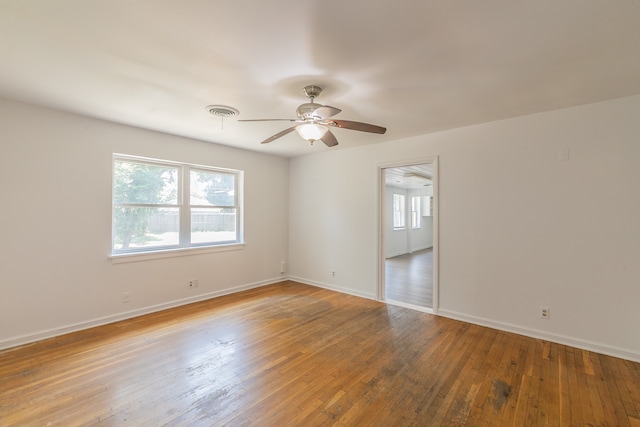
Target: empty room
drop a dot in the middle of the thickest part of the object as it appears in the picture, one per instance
(320, 213)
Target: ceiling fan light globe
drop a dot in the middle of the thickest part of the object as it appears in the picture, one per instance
(311, 131)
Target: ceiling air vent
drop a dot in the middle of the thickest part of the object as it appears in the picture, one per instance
(222, 110)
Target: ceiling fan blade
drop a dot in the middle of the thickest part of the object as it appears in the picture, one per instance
(326, 111)
(278, 135)
(329, 139)
(267, 120)
(362, 127)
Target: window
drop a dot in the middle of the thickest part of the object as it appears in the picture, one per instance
(398, 211)
(415, 211)
(160, 205)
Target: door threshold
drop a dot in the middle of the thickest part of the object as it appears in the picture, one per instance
(410, 306)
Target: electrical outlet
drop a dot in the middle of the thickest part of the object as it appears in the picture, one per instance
(125, 298)
(193, 283)
(333, 274)
(283, 266)
(544, 312)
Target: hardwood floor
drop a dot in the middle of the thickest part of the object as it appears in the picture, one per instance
(409, 278)
(294, 355)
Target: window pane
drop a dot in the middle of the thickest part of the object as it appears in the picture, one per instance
(415, 211)
(141, 227)
(209, 225)
(142, 183)
(398, 211)
(212, 188)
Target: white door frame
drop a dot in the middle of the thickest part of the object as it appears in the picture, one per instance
(382, 217)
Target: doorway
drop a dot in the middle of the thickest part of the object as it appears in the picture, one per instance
(408, 235)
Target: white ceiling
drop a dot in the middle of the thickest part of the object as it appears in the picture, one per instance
(413, 66)
(409, 177)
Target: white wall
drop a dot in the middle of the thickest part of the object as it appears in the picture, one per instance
(519, 229)
(55, 274)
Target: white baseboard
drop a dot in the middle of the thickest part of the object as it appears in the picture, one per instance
(334, 288)
(395, 254)
(547, 336)
(54, 332)
(503, 326)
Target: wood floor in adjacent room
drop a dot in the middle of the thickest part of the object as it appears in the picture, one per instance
(409, 278)
(294, 355)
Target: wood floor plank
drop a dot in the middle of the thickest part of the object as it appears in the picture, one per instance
(583, 388)
(597, 403)
(514, 379)
(573, 387)
(564, 406)
(293, 354)
(533, 416)
(547, 412)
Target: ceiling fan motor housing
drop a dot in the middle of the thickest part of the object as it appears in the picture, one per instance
(305, 111)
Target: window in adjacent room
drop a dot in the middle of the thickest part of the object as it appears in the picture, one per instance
(428, 208)
(398, 211)
(415, 212)
(162, 205)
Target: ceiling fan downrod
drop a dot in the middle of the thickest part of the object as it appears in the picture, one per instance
(312, 91)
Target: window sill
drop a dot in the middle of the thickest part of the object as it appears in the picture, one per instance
(172, 253)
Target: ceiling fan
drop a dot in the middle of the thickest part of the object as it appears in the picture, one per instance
(314, 120)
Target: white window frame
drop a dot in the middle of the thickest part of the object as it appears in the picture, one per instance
(184, 207)
(399, 211)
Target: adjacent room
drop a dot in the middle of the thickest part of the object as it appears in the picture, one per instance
(319, 213)
(408, 235)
